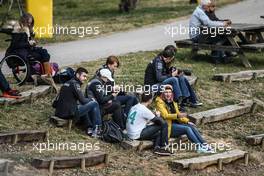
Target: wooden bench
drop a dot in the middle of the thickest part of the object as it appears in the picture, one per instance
(143, 145)
(256, 140)
(202, 162)
(256, 47)
(239, 76)
(201, 46)
(59, 122)
(29, 95)
(223, 113)
(86, 160)
(5, 166)
(23, 136)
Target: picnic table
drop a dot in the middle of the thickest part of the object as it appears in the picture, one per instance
(250, 40)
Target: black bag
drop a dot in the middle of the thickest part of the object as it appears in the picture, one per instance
(64, 75)
(112, 133)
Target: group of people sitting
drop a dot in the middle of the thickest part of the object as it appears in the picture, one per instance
(204, 16)
(169, 90)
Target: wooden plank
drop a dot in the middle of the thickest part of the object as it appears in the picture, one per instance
(255, 139)
(197, 46)
(246, 27)
(142, 145)
(27, 95)
(6, 165)
(192, 80)
(222, 113)
(205, 161)
(256, 47)
(91, 159)
(239, 76)
(23, 136)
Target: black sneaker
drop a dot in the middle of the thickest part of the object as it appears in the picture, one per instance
(162, 152)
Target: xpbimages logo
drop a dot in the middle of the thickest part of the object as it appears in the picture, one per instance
(80, 31)
(81, 147)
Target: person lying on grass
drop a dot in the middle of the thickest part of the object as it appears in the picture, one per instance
(142, 124)
(178, 123)
(71, 103)
(7, 92)
(158, 73)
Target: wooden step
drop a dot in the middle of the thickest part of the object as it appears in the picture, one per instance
(256, 140)
(29, 95)
(192, 80)
(202, 162)
(82, 161)
(222, 113)
(5, 166)
(143, 145)
(23, 136)
(239, 76)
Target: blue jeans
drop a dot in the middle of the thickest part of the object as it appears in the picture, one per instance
(181, 88)
(4, 85)
(128, 101)
(192, 133)
(90, 114)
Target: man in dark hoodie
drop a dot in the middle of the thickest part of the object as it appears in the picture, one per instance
(97, 88)
(112, 64)
(71, 103)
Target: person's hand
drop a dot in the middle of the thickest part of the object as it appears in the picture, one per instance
(192, 124)
(32, 42)
(229, 22)
(157, 113)
(182, 115)
(110, 101)
(226, 23)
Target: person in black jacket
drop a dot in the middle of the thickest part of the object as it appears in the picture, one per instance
(112, 64)
(97, 88)
(158, 73)
(71, 103)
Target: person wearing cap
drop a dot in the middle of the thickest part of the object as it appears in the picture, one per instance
(178, 123)
(7, 92)
(112, 64)
(97, 88)
(158, 73)
(71, 103)
(200, 19)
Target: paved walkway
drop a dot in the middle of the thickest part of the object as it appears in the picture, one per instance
(146, 38)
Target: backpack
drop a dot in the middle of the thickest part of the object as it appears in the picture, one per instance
(111, 132)
(64, 75)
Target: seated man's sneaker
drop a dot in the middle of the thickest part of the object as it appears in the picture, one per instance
(161, 151)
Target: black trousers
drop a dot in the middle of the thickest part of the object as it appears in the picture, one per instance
(157, 133)
(118, 116)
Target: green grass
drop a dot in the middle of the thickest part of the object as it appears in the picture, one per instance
(211, 93)
(105, 15)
